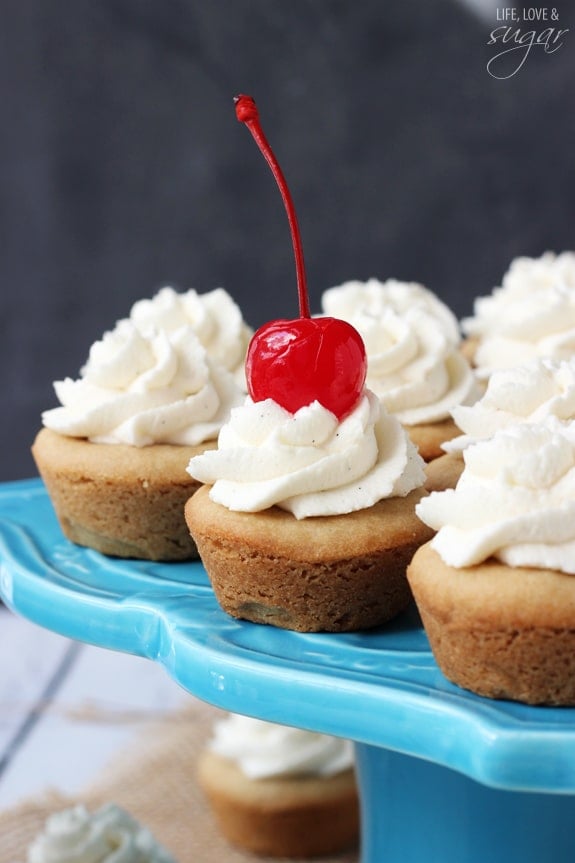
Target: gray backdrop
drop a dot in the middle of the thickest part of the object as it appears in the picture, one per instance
(123, 167)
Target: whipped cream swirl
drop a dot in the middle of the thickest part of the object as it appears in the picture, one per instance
(524, 394)
(532, 314)
(515, 501)
(309, 463)
(263, 749)
(214, 316)
(110, 835)
(143, 388)
(412, 339)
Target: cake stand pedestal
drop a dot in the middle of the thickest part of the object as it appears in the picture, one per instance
(445, 776)
(418, 812)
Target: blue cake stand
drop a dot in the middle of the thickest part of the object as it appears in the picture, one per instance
(445, 776)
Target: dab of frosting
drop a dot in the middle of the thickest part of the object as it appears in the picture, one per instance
(214, 316)
(110, 835)
(309, 463)
(515, 501)
(524, 394)
(145, 387)
(412, 339)
(532, 314)
(263, 749)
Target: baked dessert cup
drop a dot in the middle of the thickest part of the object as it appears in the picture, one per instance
(499, 631)
(281, 816)
(306, 517)
(279, 790)
(121, 500)
(327, 573)
(495, 587)
(113, 454)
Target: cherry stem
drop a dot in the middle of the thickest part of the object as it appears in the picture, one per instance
(247, 113)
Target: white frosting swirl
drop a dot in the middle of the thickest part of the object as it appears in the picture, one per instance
(110, 835)
(515, 501)
(309, 463)
(214, 316)
(524, 394)
(532, 314)
(143, 388)
(412, 342)
(263, 749)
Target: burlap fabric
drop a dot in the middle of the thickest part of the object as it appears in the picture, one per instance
(155, 780)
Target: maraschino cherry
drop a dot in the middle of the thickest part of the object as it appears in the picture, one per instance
(296, 362)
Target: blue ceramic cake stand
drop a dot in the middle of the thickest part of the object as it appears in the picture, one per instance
(445, 776)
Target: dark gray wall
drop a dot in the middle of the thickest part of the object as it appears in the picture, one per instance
(123, 167)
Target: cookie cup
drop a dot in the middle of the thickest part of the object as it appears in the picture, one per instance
(123, 501)
(502, 632)
(326, 573)
(297, 817)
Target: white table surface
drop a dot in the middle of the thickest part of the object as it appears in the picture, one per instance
(66, 708)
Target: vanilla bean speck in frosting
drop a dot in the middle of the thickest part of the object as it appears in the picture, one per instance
(515, 501)
(264, 749)
(143, 387)
(109, 835)
(308, 462)
(412, 339)
(532, 314)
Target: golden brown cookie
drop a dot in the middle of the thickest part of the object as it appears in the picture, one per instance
(500, 631)
(121, 500)
(333, 573)
(302, 816)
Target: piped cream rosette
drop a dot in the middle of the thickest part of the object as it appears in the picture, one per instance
(309, 463)
(412, 342)
(145, 387)
(262, 749)
(529, 393)
(109, 835)
(515, 501)
(214, 317)
(532, 314)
